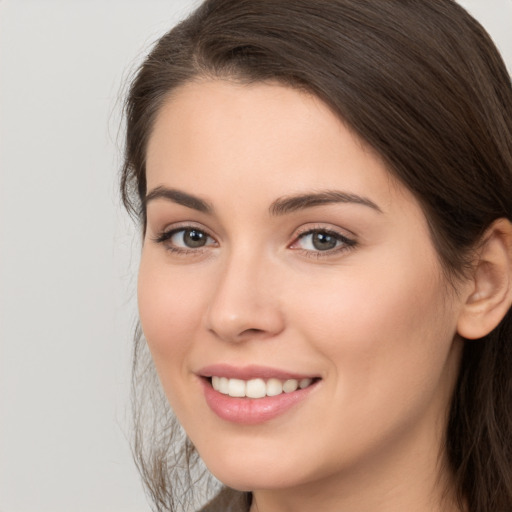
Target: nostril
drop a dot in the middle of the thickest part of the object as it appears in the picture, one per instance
(236, 319)
(252, 332)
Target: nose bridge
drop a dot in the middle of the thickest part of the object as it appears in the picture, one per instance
(244, 302)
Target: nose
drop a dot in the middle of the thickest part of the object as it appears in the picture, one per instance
(245, 302)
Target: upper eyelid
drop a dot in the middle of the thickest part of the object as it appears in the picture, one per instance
(183, 226)
(326, 227)
(342, 238)
(303, 230)
(164, 235)
(346, 239)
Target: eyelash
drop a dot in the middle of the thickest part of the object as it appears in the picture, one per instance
(343, 243)
(165, 236)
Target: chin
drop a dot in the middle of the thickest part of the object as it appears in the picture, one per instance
(253, 479)
(245, 473)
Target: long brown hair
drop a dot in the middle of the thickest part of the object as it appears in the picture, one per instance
(422, 83)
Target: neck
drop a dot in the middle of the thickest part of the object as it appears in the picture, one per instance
(408, 471)
(382, 496)
(400, 478)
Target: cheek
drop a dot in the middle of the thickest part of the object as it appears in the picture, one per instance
(386, 341)
(386, 328)
(169, 310)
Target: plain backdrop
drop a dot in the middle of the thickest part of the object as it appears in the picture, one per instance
(68, 252)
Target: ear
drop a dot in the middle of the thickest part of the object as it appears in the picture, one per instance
(490, 295)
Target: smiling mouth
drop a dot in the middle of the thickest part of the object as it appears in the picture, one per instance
(253, 395)
(258, 388)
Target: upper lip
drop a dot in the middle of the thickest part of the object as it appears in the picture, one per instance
(250, 372)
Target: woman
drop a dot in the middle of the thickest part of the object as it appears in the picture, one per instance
(325, 193)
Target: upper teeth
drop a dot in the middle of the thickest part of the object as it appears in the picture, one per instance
(257, 388)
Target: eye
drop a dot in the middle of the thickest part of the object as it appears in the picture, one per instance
(190, 238)
(322, 240)
(182, 239)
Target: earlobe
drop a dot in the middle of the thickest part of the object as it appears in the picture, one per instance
(491, 294)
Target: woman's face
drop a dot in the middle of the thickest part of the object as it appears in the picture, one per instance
(279, 252)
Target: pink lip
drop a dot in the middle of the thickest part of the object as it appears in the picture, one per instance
(250, 372)
(250, 411)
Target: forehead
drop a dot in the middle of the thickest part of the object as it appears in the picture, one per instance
(220, 113)
(259, 136)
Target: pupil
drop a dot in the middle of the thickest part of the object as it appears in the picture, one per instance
(193, 238)
(323, 242)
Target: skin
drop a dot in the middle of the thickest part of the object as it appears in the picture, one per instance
(374, 319)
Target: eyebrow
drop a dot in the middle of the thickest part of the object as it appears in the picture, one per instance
(281, 206)
(290, 204)
(178, 197)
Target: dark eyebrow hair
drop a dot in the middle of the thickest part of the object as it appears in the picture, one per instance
(280, 206)
(179, 197)
(290, 204)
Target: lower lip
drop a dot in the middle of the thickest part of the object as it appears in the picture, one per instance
(252, 411)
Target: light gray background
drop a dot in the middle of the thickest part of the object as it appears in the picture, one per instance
(68, 253)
